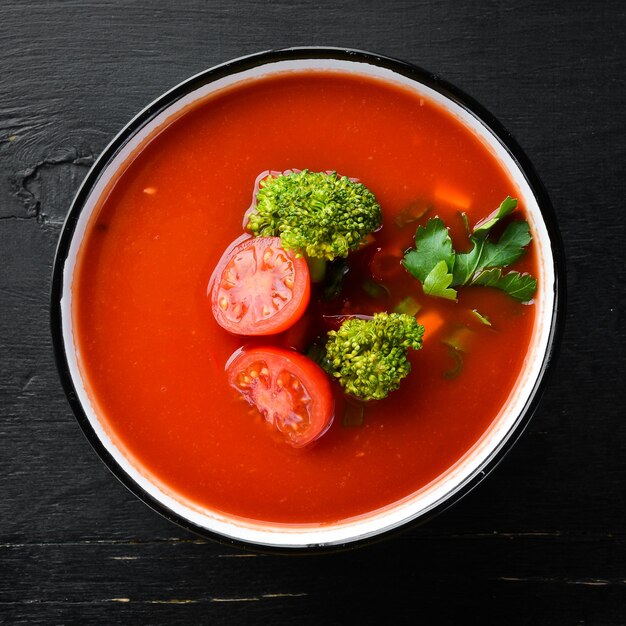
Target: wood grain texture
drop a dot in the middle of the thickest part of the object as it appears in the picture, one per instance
(542, 540)
(494, 577)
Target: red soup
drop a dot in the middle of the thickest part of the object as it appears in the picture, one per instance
(154, 356)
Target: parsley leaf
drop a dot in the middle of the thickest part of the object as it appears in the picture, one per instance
(519, 286)
(507, 206)
(484, 254)
(468, 263)
(510, 246)
(439, 268)
(438, 281)
(432, 245)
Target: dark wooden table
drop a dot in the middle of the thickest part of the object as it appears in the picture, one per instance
(542, 540)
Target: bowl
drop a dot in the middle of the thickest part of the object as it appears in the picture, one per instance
(459, 479)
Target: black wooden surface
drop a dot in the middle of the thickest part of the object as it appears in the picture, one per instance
(542, 540)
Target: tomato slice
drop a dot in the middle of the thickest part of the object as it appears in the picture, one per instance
(291, 392)
(259, 288)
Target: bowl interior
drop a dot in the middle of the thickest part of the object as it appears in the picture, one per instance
(458, 477)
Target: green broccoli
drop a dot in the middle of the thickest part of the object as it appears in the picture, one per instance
(369, 356)
(321, 216)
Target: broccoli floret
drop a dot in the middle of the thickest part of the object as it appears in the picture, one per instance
(369, 357)
(319, 215)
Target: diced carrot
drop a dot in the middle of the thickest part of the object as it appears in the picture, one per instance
(431, 321)
(453, 197)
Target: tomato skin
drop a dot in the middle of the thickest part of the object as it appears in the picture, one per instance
(291, 392)
(259, 288)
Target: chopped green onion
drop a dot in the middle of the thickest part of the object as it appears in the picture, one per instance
(457, 368)
(458, 342)
(354, 414)
(460, 339)
(409, 306)
(412, 212)
(375, 290)
(466, 224)
(481, 318)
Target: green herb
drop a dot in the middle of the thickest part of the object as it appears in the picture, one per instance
(457, 367)
(438, 282)
(408, 306)
(507, 206)
(354, 414)
(411, 213)
(375, 289)
(432, 245)
(486, 254)
(483, 319)
(460, 339)
(520, 286)
(440, 269)
(458, 343)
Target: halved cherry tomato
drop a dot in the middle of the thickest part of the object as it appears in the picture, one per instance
(259, 288)
(290, 391)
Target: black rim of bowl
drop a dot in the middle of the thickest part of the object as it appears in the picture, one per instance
(245, 63)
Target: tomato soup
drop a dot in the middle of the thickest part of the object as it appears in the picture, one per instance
(154, 357)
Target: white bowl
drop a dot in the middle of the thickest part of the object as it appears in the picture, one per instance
(467, 471)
